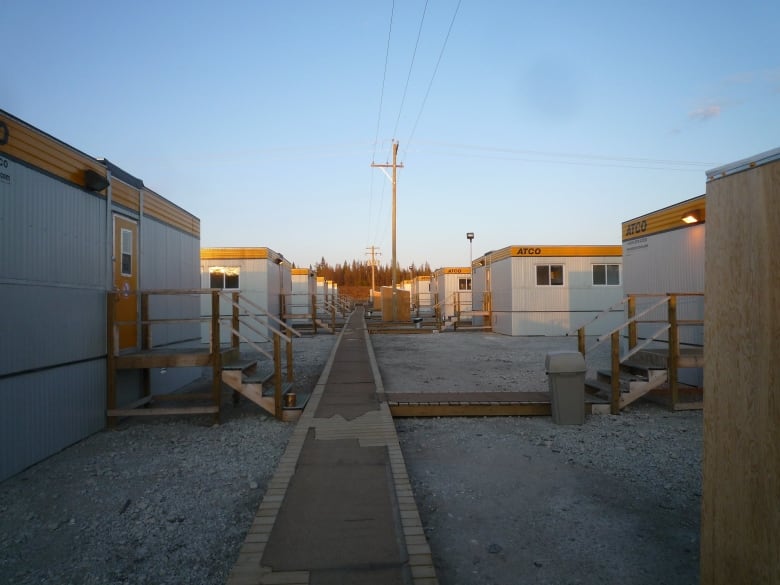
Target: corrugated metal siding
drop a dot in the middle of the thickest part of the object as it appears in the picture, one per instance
(53, 270)
(44, 412)
(668, 262)
(51, 232)
(520, 307)
(577, 292)
(170, 260)
(47, 325)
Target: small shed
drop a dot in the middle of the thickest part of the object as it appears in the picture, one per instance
(549, 290)
(262, 275)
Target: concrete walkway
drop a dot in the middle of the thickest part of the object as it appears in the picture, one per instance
(339, 509)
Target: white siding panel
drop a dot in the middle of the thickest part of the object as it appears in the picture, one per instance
(48, 325)
(46, 411)
(664, 263)
(170, 260)
(50, 232)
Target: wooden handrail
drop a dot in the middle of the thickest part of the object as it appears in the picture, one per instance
(671, 325)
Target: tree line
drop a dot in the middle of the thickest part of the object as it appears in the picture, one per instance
(359, 273)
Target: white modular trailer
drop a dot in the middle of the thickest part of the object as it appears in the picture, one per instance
(260, 274)
(663, 252)
(549, 290)
(422, 294)
(452, 285)
(299, 301)
(72, 228)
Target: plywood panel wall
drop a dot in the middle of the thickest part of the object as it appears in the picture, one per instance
(741, 496)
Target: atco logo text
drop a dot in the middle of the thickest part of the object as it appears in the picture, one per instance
(529, 251)
(637, 227)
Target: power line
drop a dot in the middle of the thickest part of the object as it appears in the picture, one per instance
(411, 66)
(379, 116)
(435, 71)
(571, 155)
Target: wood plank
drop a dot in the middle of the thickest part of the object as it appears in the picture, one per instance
(164, 411)
(444, 409)
(163, 359)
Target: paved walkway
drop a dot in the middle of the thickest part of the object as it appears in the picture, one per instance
(339, 509)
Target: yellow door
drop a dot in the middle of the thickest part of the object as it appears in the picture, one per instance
(126, 279)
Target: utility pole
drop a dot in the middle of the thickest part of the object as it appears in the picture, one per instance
(374, 252)
(395, 166)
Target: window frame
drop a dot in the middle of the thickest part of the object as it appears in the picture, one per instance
(549, 268)
(226, 273)
(605, 266)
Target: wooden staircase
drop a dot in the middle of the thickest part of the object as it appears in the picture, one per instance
(262, 388)
(242, 373)
(644, 370)
(635, 381)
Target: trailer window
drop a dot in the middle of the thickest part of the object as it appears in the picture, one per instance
(224, 277)
(127, 252)
(464, 284)
(549, 275)
(606, 275)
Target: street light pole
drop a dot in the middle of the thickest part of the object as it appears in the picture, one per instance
(470, 238)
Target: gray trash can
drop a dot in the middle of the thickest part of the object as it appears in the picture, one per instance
(566, 376)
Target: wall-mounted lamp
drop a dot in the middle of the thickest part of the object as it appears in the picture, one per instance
(692, 217)
(94, 181)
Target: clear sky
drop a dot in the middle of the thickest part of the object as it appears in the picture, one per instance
(524, 122)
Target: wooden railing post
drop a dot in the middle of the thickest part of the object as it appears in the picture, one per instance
(111, 345)
(235, 323)
(333, 318)
(146, 329)
(314, 313)
(277, 376)
(674, 350)
(290, 373)
(216, 356)
(632, 334)
(615, 398)
(581, 340)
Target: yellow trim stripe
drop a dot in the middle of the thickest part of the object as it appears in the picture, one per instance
(533, 251)
(46, 153)
(239, 254)
(664, 220)
(452, 270)
(52, 156)
(302, 271)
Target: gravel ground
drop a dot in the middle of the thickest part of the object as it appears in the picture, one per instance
(503, 500)
(511, 500)
(157, 501)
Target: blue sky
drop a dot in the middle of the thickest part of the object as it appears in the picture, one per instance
(526, 123)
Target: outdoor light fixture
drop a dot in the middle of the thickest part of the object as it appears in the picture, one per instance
(94, 181)
(692, 217)
(470, 238)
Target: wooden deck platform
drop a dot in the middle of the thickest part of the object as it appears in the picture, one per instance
(408, 404)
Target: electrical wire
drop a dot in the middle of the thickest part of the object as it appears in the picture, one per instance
(433, 76)
(379, 119)
(411, 66)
